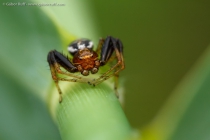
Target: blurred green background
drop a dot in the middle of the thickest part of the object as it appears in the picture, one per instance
(162, 40)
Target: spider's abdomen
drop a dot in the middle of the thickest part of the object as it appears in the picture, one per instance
(86, 60)
(80, 44)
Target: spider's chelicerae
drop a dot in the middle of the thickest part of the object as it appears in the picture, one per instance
(86, 60)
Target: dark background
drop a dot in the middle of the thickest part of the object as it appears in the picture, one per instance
(162, 40)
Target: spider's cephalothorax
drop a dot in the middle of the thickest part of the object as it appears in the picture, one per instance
(85, 59)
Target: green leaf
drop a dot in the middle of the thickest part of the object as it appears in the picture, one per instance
(74, 17)
(28, 33)
(26, 37)
(23, 116)
(89, 113)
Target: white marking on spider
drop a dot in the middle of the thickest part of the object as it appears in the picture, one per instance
(90, 46)
(72, 49)
(81, 46)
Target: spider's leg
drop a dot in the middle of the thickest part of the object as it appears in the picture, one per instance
(109, 46)
(107, 50)
(100, 44)
(55, 60)
(120, 65)
(61, 60)
(120, 47)
(54, 75)
(116, 76)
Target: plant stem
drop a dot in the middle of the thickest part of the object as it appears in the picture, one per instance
(90, 113)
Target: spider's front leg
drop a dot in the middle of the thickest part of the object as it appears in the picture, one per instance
(111, 45)
(57, 60)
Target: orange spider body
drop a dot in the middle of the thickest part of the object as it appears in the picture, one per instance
(86, 60)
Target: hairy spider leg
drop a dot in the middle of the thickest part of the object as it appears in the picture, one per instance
(100, 44)
(116, 76)
(120, 48)
(54, 76)
(62, 61)
(109, 46)
(54, 59)
(110, 60)
(116, 73)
